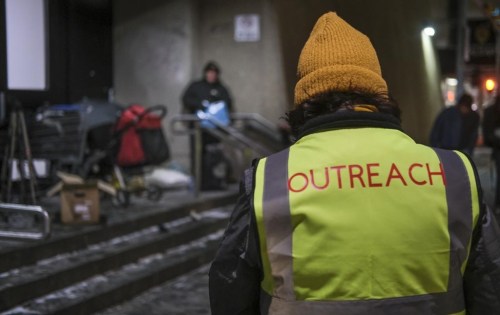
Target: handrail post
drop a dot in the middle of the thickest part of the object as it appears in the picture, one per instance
(197, 158)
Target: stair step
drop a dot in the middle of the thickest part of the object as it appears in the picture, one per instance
(30, 254)
(115, 287)
(190, 288)
(53, 275)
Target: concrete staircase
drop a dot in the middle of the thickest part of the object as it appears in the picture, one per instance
(100, 266)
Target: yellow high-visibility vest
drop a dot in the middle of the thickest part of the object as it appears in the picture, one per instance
(364, 219)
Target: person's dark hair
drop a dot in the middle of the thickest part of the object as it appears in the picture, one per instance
(333, 101)
(465, 100)
(211, 65)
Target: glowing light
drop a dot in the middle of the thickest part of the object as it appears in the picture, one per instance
(451, 81)
(490, 85)
(450, 96)
(432, 74)
(429, 31)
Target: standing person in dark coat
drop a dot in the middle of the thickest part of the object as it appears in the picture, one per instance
(198, 96)
(208, 89)
(491, 134)
(456, 127)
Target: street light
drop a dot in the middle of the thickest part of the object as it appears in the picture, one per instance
(489, 85)
(429, 31)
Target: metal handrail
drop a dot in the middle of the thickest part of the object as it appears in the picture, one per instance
(270, 127)
(191, 124)
(180, 120)
(178, 123)
(26, 209)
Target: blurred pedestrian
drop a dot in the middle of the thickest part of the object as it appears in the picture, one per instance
(208, 89)
(491, 135)
(198, 96)
(456, 127)
(355, 217)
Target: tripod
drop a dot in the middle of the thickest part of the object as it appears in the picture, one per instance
(17, 156)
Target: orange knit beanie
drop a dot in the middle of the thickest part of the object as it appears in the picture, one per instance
(337, 57)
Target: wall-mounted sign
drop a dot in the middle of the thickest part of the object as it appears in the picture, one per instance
(247, 28)
(481, 42)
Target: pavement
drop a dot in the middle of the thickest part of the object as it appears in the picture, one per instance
(187, 294)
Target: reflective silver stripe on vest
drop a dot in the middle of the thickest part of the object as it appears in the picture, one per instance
(459, 200)
(426, 304)
(278, 225)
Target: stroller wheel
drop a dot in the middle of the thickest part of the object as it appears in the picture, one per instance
(154, 193)
(122, 198)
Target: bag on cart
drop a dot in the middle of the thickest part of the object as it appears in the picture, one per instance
(141, 138)
(216, 111)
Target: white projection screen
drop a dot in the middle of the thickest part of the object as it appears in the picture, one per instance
(26, 44)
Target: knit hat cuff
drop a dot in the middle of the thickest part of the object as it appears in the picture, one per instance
(339, 78)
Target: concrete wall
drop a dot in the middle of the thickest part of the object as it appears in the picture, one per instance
(161, 45)
(253, 71)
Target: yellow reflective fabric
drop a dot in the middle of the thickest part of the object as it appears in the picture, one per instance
(267, 283)
(459, 313)
(355, 237)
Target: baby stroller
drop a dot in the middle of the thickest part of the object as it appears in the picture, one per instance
(123, 152)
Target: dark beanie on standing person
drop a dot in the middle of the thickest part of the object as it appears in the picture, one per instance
(211, 66)
(337, 57)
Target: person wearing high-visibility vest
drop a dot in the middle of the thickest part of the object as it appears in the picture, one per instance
(355, 217)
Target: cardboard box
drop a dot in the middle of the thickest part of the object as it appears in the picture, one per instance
(79, 198)
(80, 203)
(76, 180)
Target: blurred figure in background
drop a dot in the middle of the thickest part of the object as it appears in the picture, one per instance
(209, 89)
(198, 97)
(491, 135)
(456, 127)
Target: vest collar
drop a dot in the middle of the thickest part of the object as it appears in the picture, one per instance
(349, 119)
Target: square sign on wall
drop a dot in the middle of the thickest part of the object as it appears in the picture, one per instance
(247, 28)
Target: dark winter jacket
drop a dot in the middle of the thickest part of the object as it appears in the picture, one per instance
(237, 271)
(200, 91)
(454, 131)
(491, 127)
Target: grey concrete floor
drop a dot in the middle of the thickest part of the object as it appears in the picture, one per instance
(186, 295)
